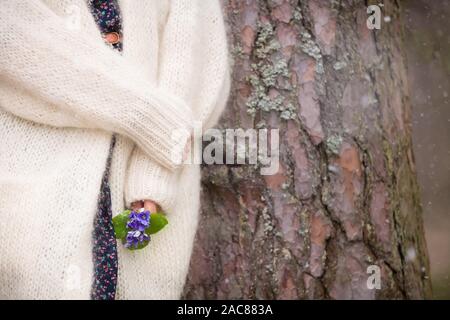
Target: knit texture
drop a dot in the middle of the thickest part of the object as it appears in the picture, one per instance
(63, 93)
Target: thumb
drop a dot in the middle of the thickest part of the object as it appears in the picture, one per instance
(150, 206)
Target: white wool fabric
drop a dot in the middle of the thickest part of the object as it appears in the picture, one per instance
(63, 93)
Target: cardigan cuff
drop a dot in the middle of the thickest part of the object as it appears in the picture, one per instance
(161, 126)
(147, 180)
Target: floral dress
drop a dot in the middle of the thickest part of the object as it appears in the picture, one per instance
(107, 16)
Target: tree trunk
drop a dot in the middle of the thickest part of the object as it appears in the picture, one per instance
(345, 196)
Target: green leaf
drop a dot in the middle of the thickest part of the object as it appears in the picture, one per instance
(157, 222)
(120, 224)
(139, 246)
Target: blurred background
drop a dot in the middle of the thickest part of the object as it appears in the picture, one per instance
(427, 40)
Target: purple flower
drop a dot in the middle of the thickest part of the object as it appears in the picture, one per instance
(135, 238)
(139, 220)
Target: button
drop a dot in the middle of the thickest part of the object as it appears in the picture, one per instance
(112, 37)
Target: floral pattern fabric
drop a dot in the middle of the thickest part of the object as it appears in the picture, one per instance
(107, 16)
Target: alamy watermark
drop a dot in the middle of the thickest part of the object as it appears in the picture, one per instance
(374, 278)
(259, 147)
(374, 20)
(73, 17)
(73, 277)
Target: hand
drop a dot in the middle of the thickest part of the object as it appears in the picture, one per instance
(146, 204)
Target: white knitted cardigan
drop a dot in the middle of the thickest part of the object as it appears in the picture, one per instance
(63, 93)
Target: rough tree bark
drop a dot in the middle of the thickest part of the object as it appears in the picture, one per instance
(345, 196)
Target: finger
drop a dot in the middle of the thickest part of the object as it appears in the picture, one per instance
(137, 205)
(150, 206)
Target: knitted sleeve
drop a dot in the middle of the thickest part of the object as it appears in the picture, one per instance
(201, 77)
(83, 77)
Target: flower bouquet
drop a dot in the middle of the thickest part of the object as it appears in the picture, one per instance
(134, 227)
